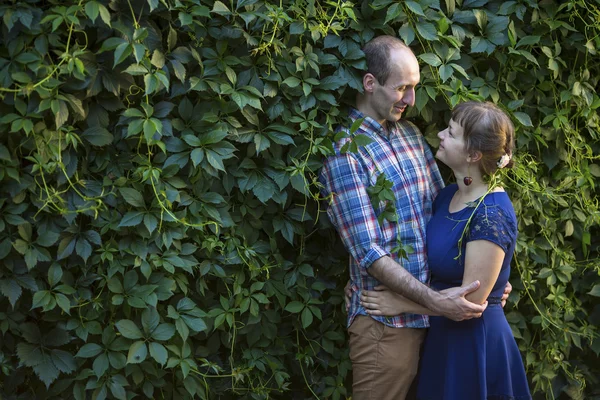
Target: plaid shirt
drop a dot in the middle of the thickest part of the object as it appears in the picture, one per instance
(407, 161)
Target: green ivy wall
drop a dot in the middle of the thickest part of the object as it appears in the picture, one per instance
(161, 231)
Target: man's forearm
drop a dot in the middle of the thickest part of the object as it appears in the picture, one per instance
(399, 280)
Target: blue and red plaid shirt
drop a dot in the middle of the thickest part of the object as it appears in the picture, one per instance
(406, 160)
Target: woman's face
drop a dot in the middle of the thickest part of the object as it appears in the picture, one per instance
(452, 150)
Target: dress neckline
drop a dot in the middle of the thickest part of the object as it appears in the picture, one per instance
(467, 206)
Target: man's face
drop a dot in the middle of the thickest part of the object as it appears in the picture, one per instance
(389, 100)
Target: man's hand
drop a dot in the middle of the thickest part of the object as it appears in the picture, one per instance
(507, 289)
(454, 306)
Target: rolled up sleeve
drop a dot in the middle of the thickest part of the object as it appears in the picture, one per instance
(345, 183)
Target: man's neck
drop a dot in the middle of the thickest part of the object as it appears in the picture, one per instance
(367, 112)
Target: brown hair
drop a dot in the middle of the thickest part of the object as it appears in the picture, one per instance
(377, 54)
(487, 129)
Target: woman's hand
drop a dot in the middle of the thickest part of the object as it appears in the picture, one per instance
(507, 289)
(347, 295)
(382, 301)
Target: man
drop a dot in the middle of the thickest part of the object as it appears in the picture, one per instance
(385, 350)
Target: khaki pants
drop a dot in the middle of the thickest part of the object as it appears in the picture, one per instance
(384, 359)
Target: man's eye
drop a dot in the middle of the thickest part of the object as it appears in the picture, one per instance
(402, 88)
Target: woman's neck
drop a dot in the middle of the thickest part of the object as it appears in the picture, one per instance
(473, 191)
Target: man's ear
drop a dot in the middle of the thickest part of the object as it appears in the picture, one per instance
(369, 82)
(474, 156)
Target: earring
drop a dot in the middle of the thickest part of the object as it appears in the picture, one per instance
(467, 179)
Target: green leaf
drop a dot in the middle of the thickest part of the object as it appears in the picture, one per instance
(92, 10)
(523, 118)
(150, 320)
(104, 14)
(431, 59)
(220, 8)
(41, 299)
(137, 352)
(122, 51)
(132, 197)
(117, 390)
(98, 136)
(29, 355)
(11, 289)
(47, 238)
(427, 31)
(528, 40)
(129, 329)
(595, 291)
(158, 352)
(46, 370)
(163, 332)
(361, 140)
(393, 12)
(306, 317)
(294, 307)
(89, 350)
(54, 274)
(132, 218)
(292, 81)
(63, 361)
(415, 7)
(194, 323)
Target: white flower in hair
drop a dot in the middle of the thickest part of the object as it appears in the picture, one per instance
(503, 161)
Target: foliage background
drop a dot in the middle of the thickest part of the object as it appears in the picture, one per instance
(161, 232)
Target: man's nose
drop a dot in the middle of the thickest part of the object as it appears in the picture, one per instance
(409, 97)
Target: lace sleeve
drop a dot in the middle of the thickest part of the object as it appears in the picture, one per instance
(494, 224)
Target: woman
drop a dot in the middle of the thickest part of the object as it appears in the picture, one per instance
(471, 236)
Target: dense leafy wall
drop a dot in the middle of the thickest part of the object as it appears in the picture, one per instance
(161, 233)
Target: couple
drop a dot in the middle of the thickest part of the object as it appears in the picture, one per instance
(463, 234)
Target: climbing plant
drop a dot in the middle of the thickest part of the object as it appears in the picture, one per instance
(162, 234)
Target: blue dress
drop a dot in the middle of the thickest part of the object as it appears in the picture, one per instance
(477, 359)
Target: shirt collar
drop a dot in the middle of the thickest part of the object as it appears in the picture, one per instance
(369, 124)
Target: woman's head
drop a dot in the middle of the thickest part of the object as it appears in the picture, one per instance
(487, 130)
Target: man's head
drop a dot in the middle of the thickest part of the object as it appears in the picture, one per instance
(390, 80)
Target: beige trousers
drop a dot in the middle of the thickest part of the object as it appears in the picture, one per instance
(384, 359)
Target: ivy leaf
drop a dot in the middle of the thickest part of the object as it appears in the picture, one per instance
(46, 370)
(431, 59)
(427, 31)
(595, 291)
(163, 332)
(63, 361)
(294, 307)
(89, 350)
(66, 247)
(415, 7)
(158, 352)
(29, 355)
(523, 118)
(92, 10)
(11, 289)
(98, 136)
(137, 352)
(150, 320)
(306, 317)
(132, 197)
(129, 329)
(132, 218)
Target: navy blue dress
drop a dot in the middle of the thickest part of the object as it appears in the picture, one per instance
(477, 359)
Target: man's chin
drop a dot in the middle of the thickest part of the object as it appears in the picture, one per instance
(395, 117)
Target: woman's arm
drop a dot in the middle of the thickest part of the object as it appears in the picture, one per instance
(483, 261)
